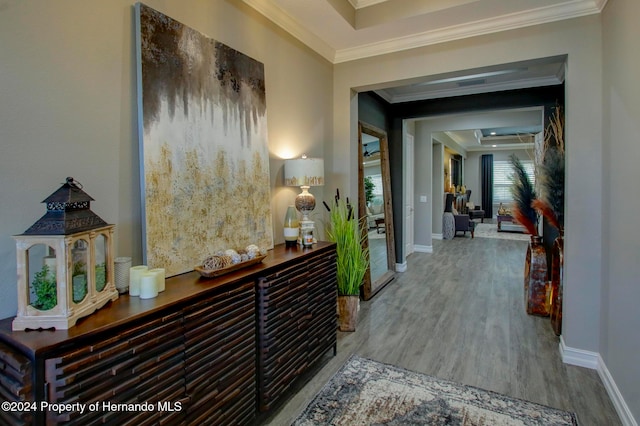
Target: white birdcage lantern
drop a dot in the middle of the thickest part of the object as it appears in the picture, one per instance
(65, 263)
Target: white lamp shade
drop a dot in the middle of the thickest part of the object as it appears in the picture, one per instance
(304, 172)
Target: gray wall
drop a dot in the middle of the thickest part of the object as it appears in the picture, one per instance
(424, 161)
(620, 326)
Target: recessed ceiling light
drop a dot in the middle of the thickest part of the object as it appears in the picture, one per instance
(493, 146)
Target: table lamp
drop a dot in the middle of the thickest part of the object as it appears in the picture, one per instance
(305, 173)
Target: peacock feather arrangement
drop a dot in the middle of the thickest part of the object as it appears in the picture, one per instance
(524, 195)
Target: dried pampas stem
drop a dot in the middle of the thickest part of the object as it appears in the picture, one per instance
(554, 133)
(525, 221)
(545, 209)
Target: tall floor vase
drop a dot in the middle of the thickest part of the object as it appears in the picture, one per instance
(557, 266)
(448, 226)
(535, 278)
(448, 221)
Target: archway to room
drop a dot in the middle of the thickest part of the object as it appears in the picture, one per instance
(459, 142)
(529, 85)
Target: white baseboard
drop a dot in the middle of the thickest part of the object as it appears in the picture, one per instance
(578, 357)
(614, 393)
(401, 267)
(594, 361)
(436, 236)
(423, 249)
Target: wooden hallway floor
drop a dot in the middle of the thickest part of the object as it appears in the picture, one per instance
(458, 314)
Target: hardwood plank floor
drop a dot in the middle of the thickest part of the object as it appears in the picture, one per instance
(458, 314)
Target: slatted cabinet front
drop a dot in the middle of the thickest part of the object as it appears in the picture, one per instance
(220, 360)
(283, 317)
(322, 306)
(297, 323)
(138, 365)
(16, 386)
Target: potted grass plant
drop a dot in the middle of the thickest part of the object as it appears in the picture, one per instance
(352, 259)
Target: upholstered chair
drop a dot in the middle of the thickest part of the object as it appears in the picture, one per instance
(475, 212)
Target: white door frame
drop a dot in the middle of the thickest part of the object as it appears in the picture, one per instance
(409, 196)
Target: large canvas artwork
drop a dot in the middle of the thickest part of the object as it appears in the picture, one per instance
(203, 139)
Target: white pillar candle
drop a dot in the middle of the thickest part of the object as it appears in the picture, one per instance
(159, 272)
(148, 289)
(134, 279)
(122, 265)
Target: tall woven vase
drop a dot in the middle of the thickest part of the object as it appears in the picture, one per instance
(448, 221)
(535, 278)
(557, 266)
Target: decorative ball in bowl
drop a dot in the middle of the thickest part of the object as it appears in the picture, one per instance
(230, 260)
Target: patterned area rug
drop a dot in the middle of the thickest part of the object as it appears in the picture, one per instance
(490, 230)
(366, 392)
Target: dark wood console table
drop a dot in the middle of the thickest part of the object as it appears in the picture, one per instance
(199, 353)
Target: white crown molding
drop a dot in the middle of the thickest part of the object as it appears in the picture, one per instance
(384, 94)
(452, 135)
(470, 90)
(290, 25)
(568, 10)
(574, 9)
(503, 147)
(359, 4)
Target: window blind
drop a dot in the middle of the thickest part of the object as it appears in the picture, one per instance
(502, 180)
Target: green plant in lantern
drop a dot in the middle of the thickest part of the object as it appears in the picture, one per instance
(101, 276)
(44, 289)
(79, 281)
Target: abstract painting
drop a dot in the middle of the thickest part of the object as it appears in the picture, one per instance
(203, 145)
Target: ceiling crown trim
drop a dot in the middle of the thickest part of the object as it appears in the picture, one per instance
(290, 25)
(466, 90)
(573, 9)
(472, 29)
(359, 4)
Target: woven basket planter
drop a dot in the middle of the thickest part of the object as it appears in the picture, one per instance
(348, 307)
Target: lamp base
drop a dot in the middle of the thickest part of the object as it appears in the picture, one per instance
(305, 202)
